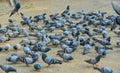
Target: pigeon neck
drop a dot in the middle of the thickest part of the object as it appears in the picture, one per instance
(35, 58)
(98, 58)
(44, 56)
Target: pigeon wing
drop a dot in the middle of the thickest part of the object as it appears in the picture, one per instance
(116, 7)
(12, 3)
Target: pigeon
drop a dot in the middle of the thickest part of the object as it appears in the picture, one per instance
(8, 68)
(6, 47)
(10, 20)
(32, 42)
(13, 27)
(106, 22)
(104, 69)
(66, 11)
(38, 35)
(27, 50)
(77, 15)
(116, 8)
(66, 33)
(67, 49)
(94, 61)
(100, 15)
(105, 41)
(118, 43)
(86, 48)
(12, 34)
(50, 60)
(100, 50)
(117, 32)
(53, 16)
(16, 46)
(44, 49)
(23, 31)
(37, 66)
(104, 33)
(114, 19)
(26, 19)
(16, 6)
(4, 39)
(55, 42)
(29, 60)
(37, 18)
(13, 58)
(66, 57)
(3, 30)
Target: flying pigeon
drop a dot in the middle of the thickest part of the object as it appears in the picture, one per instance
(16, 6)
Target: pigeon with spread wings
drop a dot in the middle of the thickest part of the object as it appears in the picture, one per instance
(116, 7)
(16, 6)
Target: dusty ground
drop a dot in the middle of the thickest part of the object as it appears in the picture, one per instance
(78, 65)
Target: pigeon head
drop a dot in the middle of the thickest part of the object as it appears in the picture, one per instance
(21, 14)
(68, 7)
(18, 6)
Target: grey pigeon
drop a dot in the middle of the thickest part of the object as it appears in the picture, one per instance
(27, 50)
(118, 43)
(116, 7)
(3, 30)
(17, 46)
(8, 68)
(94, 61)
(86, 48)
(50, 60)
(67, 49)
(16, 7)
(7, 47)
(4, 39)
(65, 56)
(101, 51)
(29, 60)
(37, 66)
(13, 59)
(117, 32)
(44, 49)
(12, 27)
(23, 31)
(37, 18)
(104, 69)
(104, 33)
